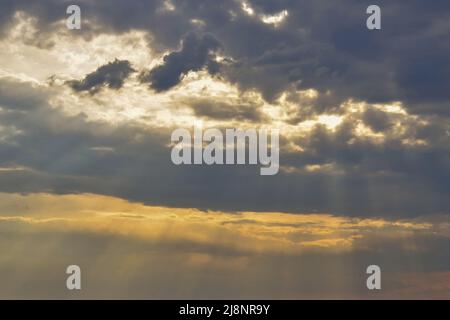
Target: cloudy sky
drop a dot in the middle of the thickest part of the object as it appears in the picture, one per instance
(86, 176)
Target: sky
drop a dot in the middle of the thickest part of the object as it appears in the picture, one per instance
(86, 177)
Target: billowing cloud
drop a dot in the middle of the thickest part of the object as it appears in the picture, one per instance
(197, 52)
(111, 75)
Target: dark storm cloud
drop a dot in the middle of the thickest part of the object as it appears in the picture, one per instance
(340, 55)
(196, 53)
(111, 75)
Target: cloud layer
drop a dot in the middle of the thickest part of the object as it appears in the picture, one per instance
(364, 160)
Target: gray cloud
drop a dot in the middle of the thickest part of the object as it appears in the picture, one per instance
(377, 120)
(65, 159)
(218, 110)
(197, 52)
(111, 75)
(321, 45)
